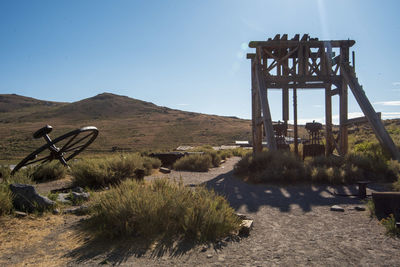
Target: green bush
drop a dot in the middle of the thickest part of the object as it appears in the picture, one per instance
(271, 166)
(96, 173)
(161, 209)
(6, 205)
(284, 167)
(194, 162)
(390, 224)
(49, 171)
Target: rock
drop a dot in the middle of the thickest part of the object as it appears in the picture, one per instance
(27, 199)
(20, 214)
(204, 248)
(78, 189)
(337, 208)
(63, 198)
(56, 211)
(79, 196)
(359, 208)
(242, 216)
(222, 161)
(81, 210)
(245, 227)
(164, 170)
(209, 256)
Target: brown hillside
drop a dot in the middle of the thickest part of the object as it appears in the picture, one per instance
(126, 123)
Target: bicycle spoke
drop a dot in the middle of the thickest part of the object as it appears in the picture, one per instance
(65, 148)
(44, 159)
(74, 148)
(69, 141)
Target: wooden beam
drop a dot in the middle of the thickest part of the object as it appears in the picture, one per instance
(262, 91)
(328, 121)
(291, 43)
(343, 106)
(295, 130)
(256, 112)
(359, 120)
(380, 132)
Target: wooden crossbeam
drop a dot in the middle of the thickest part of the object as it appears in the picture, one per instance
(360, 119)
(291, 43)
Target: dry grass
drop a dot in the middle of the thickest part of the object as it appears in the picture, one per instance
(283, 167)
(161, 210)
(45, 244)
(97, 173)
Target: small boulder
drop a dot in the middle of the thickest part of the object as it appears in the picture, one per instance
(27, 199)
(165, 170)
(245, 227)
(359, 208)
(20, 214)
(79, 196)
(81, 210)
(337, 208)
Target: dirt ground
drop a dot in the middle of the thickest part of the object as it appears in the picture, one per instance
(293, 226)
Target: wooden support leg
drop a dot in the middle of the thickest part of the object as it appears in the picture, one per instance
(256, 113)
(295, 132)
(328, 121)
(267, 121)
(343, 142)
(285, 104)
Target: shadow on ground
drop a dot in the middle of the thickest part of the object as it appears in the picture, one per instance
(253, 196)
(115, 252)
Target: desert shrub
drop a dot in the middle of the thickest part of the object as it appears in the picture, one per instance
(48, 171)
(194, 162)
(6, 205)
(161, 209)
(150, 163)
(4, 172)
(372, 150)
(371, 208)
(270, 166)
(23, 176)
(97, 173)
(390, 224)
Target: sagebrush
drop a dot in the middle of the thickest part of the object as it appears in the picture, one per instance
(97, 173)
(161, 209)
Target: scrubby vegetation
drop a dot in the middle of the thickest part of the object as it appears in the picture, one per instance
(49, 171)
(22, 177)
(97, 173)
(390, 225)
(161, 209)
(195, 162)
(210, 158)
(284, 167)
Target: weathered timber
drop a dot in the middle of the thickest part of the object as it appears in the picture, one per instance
(262, 91)
(376, 123)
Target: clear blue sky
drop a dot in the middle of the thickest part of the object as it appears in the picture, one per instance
(187, 55)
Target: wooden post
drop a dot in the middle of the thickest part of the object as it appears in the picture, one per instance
(328, 121)
(262, 91)
(343, 109)
(328, 103)
(295, 130)
(256, 112)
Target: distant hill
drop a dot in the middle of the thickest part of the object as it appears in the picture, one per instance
(124, 123)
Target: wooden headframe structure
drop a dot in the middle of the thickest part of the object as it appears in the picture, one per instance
(308, 63)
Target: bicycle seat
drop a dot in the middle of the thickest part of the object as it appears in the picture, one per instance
(42, 131)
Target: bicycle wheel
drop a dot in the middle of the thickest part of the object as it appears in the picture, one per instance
(63, 148)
